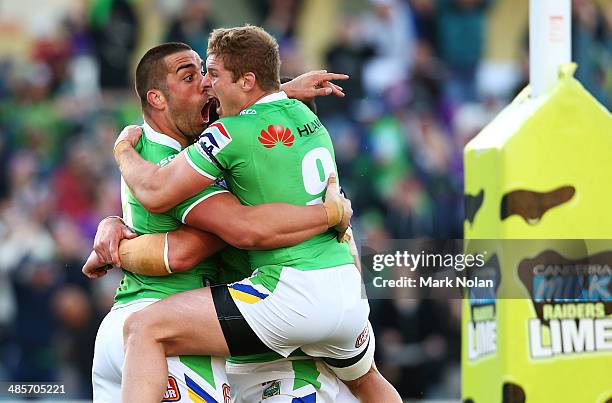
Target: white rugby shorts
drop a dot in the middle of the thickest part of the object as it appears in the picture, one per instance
(324, 312)
(189, 378)
(303, 380)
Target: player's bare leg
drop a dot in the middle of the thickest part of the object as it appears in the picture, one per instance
(372, 387)
(143, 383)
(185, 322)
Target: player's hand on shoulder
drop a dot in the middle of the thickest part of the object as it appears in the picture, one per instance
(111, 231)
(130, 135)
(313, 84)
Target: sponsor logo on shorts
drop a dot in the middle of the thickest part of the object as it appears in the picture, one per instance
(172, 393)
(363, 337)
(276, 134)
(273, 390)
(227, 393)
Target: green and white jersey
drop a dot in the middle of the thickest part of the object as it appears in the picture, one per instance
(161, 149)
(276, 150)
(234, 265)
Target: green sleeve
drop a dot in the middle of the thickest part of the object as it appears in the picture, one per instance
(181, 210)
(217, 150)
(140, 143)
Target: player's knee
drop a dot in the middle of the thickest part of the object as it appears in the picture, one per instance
(138, 326)
(355, 384)
(356, 368)
(373, 387)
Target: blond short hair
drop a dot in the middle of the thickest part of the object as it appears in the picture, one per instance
(248, 49)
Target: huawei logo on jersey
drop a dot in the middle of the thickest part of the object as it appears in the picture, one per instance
(276, 134)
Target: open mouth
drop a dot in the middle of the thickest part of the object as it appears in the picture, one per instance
(209, 110)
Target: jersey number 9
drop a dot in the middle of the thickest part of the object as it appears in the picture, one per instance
(317, 164)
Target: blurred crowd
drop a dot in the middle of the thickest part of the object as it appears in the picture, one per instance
(414, 98)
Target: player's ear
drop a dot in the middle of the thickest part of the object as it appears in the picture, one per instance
(248, 81)
(156, 99)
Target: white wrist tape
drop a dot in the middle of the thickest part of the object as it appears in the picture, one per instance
(166, 263)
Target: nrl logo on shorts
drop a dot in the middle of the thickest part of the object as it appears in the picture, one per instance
(362, 338)
(276, 134)
(172, 393)
(227, 395)
(273, 390)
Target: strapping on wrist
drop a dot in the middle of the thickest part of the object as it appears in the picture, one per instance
(334, 212)
(146, 254)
